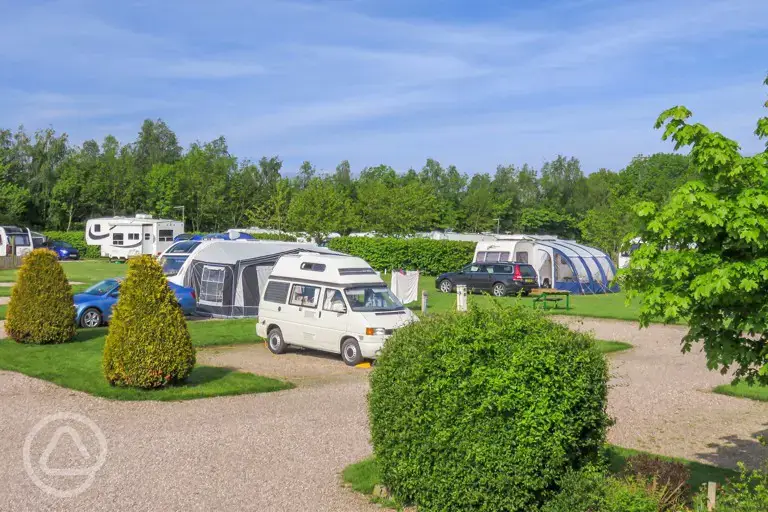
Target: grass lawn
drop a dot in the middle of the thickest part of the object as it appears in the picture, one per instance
(85, 271)
(77, 365)
(744, 390)
(364, 475)
(3, 309)
(611, 305)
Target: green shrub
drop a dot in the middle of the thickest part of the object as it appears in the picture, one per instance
(668, 480)
(41, 308)
(591, 490)
(77, 239)
(148, 344)
(486, 410)
(431, 257)
(748, 493)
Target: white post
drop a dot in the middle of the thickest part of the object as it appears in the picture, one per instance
(711, 495)
(424, 302)
(461, 297)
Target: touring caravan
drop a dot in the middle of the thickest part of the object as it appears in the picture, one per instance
(15, 241)
(330, 302)
(123, 237)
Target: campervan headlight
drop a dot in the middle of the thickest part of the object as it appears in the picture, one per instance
(375, 331)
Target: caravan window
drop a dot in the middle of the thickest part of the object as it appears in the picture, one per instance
(146, 236)
(166, 235)
(480, 257)
(212, 285)
(521, 257)
(117, 239)
(277, 291)
(133, 236)
(97, 228)
(303, 295)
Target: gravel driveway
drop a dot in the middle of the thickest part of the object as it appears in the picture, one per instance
(284, 451)
(662, 400)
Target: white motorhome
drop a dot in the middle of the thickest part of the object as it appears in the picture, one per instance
(334, 303)
(15, 241)
(626, 254)
(123, 237)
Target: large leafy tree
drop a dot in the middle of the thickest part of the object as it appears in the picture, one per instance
(705, 253)
(319, 210)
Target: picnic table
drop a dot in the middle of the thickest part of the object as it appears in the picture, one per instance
(551, 299)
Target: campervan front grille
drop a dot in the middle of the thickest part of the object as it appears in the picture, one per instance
(355, 271)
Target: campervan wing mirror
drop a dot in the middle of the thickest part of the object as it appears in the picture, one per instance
(338, 307)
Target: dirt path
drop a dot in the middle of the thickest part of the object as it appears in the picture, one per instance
(4, 301)
(662, 400)
(2, 329)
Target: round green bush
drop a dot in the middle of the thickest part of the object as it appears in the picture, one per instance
(148, 344)
(41, 308)
(486, 410)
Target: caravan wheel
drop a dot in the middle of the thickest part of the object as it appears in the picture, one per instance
(275, 341)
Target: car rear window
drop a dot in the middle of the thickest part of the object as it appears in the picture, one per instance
(183, 247)
(503, 269)
(527, 271)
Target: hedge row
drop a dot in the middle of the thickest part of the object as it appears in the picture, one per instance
(77, 239)
(431, 257)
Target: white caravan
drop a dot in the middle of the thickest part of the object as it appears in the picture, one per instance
(626, 254)
(333, 303)
(123, 237)
(15, 241)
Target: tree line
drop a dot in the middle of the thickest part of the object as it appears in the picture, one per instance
(47, 182)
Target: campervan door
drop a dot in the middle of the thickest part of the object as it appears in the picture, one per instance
(148, 238)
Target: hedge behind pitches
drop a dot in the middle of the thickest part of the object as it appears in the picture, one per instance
(431, 257)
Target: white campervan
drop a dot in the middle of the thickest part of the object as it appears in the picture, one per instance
(329, 302)
(123, 237)
(15, 241)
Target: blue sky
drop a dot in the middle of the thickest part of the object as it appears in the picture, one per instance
(473, 84)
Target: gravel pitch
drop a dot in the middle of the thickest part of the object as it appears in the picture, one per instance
(662, 402)
(284, 451)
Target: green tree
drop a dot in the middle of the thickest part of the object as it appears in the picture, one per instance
(544, 221)
(704, 257)
(319, 210)
(481, 207)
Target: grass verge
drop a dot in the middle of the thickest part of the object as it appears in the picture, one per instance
(607, 347)
(85, 271)
(3, 310)
(77, 365)
(364, 475)
(744, 390)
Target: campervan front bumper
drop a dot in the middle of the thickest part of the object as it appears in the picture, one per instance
(371, 345)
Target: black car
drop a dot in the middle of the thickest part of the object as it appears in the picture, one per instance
(498, 278)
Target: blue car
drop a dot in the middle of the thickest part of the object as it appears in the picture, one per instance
(64, 250)
(94, 306)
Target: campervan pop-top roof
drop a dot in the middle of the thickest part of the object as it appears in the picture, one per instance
(330, 268)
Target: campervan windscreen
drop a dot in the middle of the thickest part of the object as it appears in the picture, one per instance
(172, 264)
(372, 299)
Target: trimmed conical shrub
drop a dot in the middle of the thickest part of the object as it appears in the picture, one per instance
(148, 345)
(41, 309)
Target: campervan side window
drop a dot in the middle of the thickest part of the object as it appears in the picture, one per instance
(315, 267)
(117, 239)
(146, 236)
(133, 236)
(166, 235)
(521, 257)
(306, 296)
(97, 228)
(480, 257)
(212, 285)
(277, 291)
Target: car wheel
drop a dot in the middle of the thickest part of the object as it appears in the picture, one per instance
(350, 352)
(446, 286)
(91, 318)
(275, 341)
(546, 283)
(499, 290)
